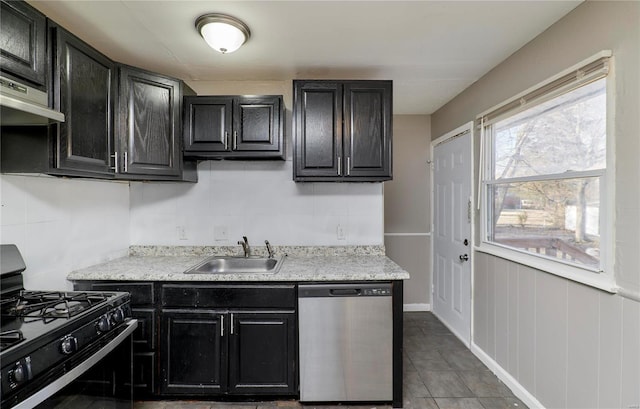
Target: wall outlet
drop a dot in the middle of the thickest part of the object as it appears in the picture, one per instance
(341, 232)
(182, 232)
(220, 233)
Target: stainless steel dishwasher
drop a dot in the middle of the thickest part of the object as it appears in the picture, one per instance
(346, 342)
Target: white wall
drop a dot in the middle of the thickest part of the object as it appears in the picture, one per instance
(258, 200)
(566, 344)
(63, 224)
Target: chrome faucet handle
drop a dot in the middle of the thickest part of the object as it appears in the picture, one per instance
(245, 246)
(269, 249)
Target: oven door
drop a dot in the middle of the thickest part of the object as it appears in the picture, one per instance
(101, 381)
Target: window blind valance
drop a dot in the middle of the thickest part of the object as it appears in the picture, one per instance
(589, 70)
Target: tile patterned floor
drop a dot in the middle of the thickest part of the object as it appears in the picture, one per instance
(439, 373)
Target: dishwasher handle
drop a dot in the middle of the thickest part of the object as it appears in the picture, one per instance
(345, 292)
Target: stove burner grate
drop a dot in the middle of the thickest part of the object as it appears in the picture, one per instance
(49, 305)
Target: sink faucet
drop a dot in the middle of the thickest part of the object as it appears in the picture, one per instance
(245, 246)
(269, 249)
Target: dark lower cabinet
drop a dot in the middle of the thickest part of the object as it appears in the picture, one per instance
(143, 308)
(193, 352)
(229, 339)
(261, 353)
(210, 340)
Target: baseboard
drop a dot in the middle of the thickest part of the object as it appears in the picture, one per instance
(511, 382)
(416, 307)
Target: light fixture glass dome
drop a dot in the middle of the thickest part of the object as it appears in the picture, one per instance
(223, 33)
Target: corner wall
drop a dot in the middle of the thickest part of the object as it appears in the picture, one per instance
(561, 343)
(407, 213)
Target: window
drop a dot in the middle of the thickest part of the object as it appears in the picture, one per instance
(544, 172)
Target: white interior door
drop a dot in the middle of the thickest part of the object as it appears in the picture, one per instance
(452, 212)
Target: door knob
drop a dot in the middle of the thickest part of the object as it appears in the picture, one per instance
(464, 257)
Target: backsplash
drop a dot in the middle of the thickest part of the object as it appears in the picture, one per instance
(258, 200)
(61, 225)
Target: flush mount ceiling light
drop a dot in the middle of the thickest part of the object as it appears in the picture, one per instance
(223, 33)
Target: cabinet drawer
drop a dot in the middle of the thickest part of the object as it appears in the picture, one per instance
(227, 296)
(144, 335)
(141, 293)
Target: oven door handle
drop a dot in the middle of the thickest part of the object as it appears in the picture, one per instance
(70, 376)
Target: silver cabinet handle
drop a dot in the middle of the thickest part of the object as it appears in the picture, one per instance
(231, 331)
(222, 325)
(115, 161)
(235, 139)
(226, 140)
(126, 162)
(339, 166)
(348, 165)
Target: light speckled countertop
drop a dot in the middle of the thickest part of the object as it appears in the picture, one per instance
(348, 263)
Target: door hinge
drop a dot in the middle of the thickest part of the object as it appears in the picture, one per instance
(469, 211)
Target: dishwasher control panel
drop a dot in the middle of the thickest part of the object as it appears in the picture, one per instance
(376, 291)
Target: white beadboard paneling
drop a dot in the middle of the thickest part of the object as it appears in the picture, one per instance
(610, 353)
(551, 340)
(527, 328)
(630, 354)
(502, 312)
(481, 293)
(583, 346)
(514, 304)
(627, 249)
(491, 306)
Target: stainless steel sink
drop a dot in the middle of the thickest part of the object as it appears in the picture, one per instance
(237, 265)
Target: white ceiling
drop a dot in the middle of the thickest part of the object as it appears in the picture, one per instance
(432, 50)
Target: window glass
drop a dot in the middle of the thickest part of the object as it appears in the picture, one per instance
(567, 133)
(546, 166)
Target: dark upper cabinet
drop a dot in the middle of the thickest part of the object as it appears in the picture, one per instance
(242, 127)
(23, 42)
(342, 131)
(149, 124)
(84, 90)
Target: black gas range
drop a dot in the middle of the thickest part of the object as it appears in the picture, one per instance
(58, 347)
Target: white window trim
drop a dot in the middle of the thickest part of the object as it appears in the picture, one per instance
(604, 280)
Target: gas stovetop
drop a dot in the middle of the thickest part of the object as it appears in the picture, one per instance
(28, 315)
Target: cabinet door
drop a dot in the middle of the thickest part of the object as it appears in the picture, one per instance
(367, 127)
(193, 352)
(23, 42)
(317, 130)
(149, 115)
(262, 353)
(84, 90)
(258, 123)
(207, 124)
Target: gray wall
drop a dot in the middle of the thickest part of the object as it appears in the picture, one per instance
(567, 344)
(406, 206)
